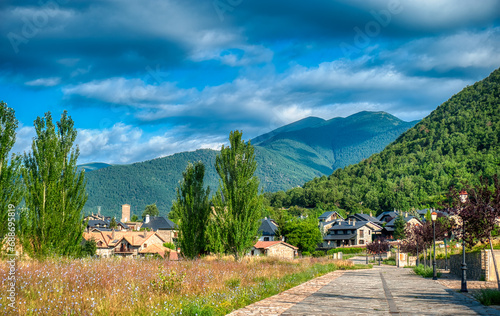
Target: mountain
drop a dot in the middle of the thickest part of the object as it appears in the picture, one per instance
(286, 157)
(456, 144)
(92, 166)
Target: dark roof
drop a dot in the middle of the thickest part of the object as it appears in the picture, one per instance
(342, 225)
(267, 227)
(325, 215)
(387, 213)
(340, 237)
(159, 222)
(406, 218)
(95, 222)
(364, 217)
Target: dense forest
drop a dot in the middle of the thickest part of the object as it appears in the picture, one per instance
(286, 158)
(456, 144)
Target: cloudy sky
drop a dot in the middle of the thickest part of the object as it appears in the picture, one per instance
(149, 78)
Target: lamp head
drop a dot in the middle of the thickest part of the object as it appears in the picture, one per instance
(434, 216)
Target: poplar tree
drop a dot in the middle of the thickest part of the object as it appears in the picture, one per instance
(399, 227)
(55, 191)
(193, 209)
(10, 192)
(237, 204)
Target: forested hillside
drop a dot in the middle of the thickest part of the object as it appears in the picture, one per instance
(286, 157)
(456, 143)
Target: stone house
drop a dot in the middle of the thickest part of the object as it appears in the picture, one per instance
(327, 219)
(350, 233)
(278, 249)
(268, 230)
(162, 226)
(126, 244)
(388, 229)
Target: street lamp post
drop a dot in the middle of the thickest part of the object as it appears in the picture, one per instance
(445, 253)
(463, 199)
(434, 272)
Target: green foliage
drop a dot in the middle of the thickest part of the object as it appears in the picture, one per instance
(169, 245)
(399, 228)
(134, 218)
(303, 234)
(306, 254)
(318, 253)
(10, 183)
(426, 272)
(168, 283)
(193, 210)
(89, 248)
(55, 191)
(237, 204)
(488, 297)
(151, 210)
(351, 250)
(457, 143)
(113, 224)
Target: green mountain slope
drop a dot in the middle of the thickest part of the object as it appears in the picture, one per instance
(286, 158)
(93, 166)
(456, 143)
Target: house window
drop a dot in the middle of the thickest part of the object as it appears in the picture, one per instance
(361, 233)
(266, 238)
(361, 242)
(145, 245)
(341, 232)
(369, 232)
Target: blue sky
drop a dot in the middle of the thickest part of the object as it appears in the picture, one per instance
(149, 78)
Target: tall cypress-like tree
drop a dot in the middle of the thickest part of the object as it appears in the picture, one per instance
(193, 209)
(55, 191)
(237, 204)
(399, 227)
(10, 192)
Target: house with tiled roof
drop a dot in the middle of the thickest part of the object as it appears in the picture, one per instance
(388, 229)
(327, 219)
(122, 243)
(350, 232)
(161, 225)
(160, 250)
(268, 230)
(277, 248)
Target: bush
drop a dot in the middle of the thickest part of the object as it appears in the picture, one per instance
(306, 254)
(351, 250)
(168, 283)
(426, 272)
(169, 245)
(488, 297)
(318, 253)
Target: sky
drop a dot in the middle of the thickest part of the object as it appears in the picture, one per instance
(149, 78)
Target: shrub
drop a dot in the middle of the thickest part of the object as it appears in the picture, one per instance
(306, 254)
(426, 272)
(168, 283)
(318, 253)
(233, 282)
(488, 297)
(350, 250)
(169, 245)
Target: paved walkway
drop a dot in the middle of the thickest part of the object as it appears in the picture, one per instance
(384, 290)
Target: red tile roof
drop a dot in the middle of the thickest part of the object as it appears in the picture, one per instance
(268, 244)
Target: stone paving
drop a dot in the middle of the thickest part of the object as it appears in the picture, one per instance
(383, 290)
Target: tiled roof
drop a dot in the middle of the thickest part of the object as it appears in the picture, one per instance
(340, 237)
(342, 225)
(159, 222)
(162, 251)
(267, 227)
(364, 217)
(133, 238)
(268, 244)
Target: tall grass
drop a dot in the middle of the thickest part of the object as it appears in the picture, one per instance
(426, 272)
(124, 286)
(488, 297)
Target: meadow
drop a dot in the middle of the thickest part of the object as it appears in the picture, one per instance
(122, 286)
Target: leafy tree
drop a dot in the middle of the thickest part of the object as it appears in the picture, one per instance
(89, 248)
(151, 210)
(193, 208)
(399, 227)
(10, 189)
(303, 234)
(237, 204)
(113, 224)
(55, 191)
(134, 218)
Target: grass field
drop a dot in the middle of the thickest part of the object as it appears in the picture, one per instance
(153, 287)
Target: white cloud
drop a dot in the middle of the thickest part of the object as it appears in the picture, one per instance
(44, 82)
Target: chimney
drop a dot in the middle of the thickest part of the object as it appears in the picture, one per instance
(147, 219)
(406, 214)
(370, 213)
(349, 221)
(125, 213)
